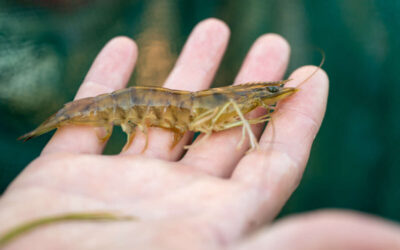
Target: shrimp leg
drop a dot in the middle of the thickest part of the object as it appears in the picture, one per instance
(246, 126)
(144, 129)
(257, 120)
(103, 138)
(129, 129)
(178, 134)
(203, 118)
(218, 115)
(215, 115)
(206, 116)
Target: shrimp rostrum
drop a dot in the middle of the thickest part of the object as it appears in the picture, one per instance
(139, 107)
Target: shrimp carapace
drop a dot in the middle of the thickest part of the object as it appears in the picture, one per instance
(219, 109)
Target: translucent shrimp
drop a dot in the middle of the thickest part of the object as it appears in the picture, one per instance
(205, 111)
(178, 111)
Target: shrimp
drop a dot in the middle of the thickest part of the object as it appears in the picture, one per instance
(205, 111)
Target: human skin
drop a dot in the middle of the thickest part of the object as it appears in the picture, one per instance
(215, 196)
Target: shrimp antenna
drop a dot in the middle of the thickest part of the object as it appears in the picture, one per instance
(316, 70)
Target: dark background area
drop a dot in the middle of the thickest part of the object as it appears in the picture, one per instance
(46, 47)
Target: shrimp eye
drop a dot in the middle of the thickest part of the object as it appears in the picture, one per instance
(273, 89)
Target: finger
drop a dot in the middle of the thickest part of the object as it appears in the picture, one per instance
(266, 61)
(110, 71)
(278, 166)
(193, 71)
(327, 230)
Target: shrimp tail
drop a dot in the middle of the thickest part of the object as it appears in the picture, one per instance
(48, 125)
(28, 136)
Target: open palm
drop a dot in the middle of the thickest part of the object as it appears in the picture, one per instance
(208, 199)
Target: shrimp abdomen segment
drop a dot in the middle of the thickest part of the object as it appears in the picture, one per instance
(154, 107)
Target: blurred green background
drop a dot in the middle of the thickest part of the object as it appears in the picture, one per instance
(46, 47)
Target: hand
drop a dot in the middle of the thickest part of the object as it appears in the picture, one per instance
(209, 199)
